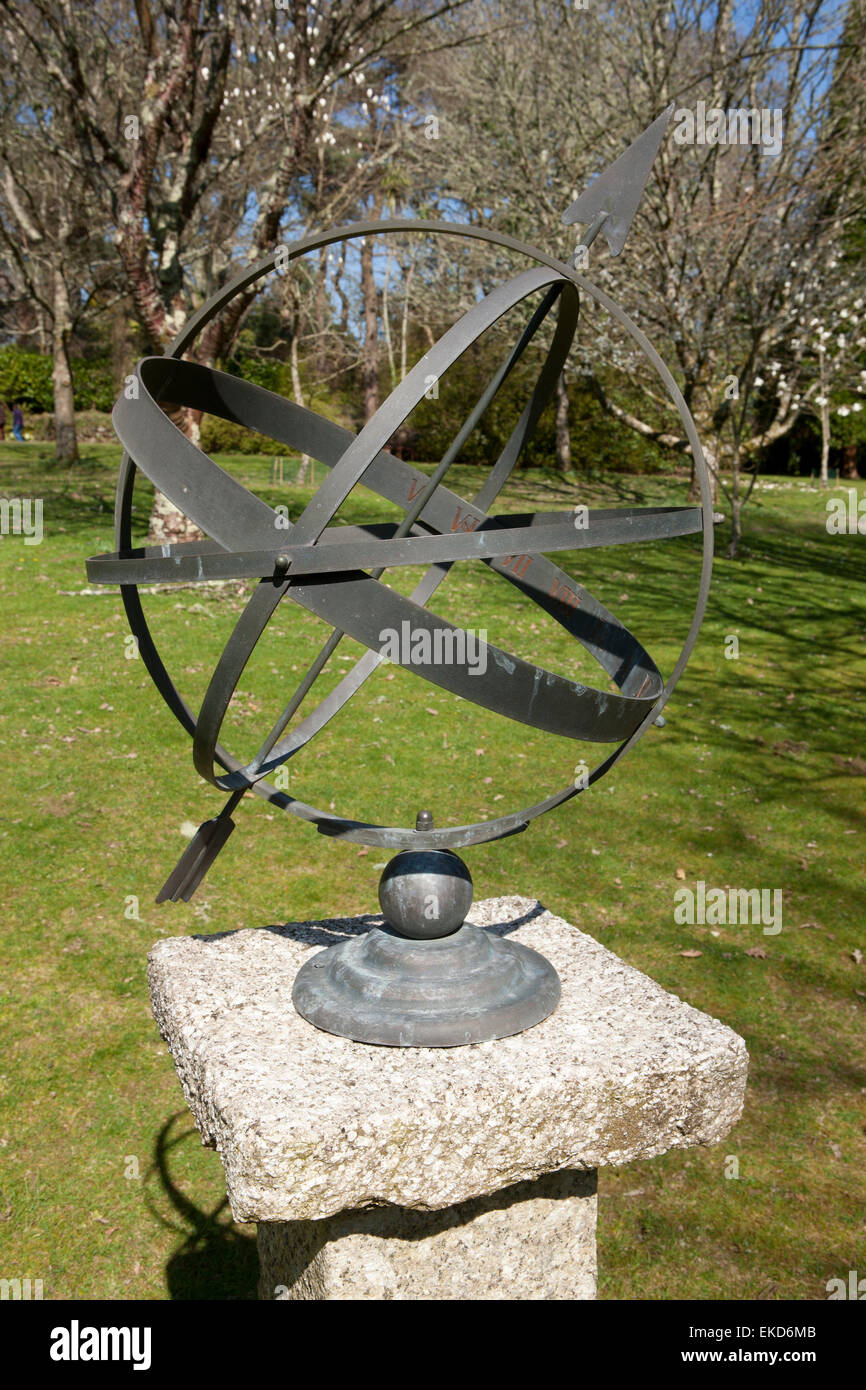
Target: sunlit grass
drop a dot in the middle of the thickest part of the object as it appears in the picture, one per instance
(757, 781)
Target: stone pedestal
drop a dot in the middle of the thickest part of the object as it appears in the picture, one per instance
(533, 1240)
(442, 1173)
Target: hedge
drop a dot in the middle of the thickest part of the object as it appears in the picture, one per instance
(26, 377)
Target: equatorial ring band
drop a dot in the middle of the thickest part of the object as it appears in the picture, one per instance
(242, 525)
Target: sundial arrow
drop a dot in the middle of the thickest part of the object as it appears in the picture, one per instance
(612, 199)
(199, 854)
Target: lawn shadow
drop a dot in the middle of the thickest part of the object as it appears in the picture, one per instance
(215, 1258)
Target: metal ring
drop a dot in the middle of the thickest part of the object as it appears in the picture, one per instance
(316, 519)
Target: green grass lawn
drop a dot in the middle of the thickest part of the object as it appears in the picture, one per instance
(756, 782)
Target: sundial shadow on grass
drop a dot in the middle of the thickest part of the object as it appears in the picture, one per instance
(214, 1259)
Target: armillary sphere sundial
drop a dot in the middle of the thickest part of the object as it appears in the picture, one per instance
(426, 978)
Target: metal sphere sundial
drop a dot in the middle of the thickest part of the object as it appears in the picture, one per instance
(427, 978)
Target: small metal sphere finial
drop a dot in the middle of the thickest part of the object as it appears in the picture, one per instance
(424, 820)
(425, 893)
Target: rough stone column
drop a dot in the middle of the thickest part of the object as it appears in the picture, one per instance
(442, 1173)
(533, 1240)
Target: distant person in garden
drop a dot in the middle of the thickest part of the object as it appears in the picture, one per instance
(18, 423)
(2, 421)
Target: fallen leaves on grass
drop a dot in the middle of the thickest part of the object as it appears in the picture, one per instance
(855, 767)
(691, 954)
(756, 952)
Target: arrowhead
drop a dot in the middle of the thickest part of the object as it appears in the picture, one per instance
(619, 189)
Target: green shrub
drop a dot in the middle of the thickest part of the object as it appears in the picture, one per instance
(40, 426)
(267, 372)
(93, 383)
(26, 377)
(95, 427)
(92, 427)
(225, 437)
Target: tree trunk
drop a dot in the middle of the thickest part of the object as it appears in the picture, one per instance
(370, 355)
(848, 468)
(736, 531)
(736, 508)
(563, 434)
(121, 345)
(168, 524)
(825, 445)
(344, 299)
(66, 442)
(298, 393)
(712, 462)
(321, 355)
(408, 272)
(161, 323)
(386, 320)
(825, 420)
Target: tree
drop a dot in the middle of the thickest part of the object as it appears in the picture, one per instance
(195, 124)
(831, 370)
(55, 253)
(730, 246)
(744, 229)
(505, 150)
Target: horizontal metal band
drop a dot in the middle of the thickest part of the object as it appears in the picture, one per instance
(342, 549)
(234, 399)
